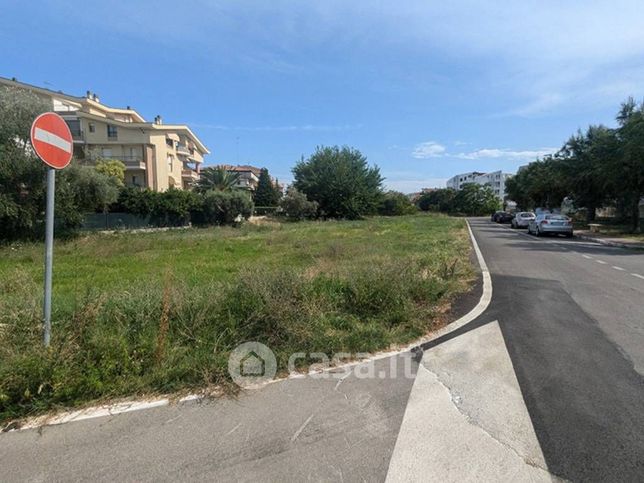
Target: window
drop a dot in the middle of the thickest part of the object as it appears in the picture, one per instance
(92, 127)
(169, 142)
(106, 152)
(135, 181)
(170, 162)
(74, 127)
(111, 132)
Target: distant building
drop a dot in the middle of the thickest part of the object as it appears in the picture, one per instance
(156, 155)
(248, 175)
(496, 180)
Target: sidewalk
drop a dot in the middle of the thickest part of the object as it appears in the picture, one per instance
(609, 240)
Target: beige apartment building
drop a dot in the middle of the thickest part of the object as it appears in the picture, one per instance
(156, 155)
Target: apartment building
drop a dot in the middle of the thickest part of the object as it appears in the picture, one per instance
(156, 155)
(496, 180)
(248, 176)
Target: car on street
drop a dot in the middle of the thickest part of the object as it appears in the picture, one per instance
(522, 219)
(502, 217)
(548, 224)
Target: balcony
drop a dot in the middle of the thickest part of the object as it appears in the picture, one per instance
(183, 150)
(130, 162)
(189, 175)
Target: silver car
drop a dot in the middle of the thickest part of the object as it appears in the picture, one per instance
(522, 219)
(546, 224)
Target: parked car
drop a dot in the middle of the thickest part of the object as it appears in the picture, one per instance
(502, 217)
(522, 219)
(546, 224)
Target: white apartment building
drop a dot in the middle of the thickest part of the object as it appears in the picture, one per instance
(496, 180)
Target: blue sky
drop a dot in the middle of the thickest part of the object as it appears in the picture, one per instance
(425, 89)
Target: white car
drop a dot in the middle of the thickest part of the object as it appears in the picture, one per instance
(522, 219)
(551, 225)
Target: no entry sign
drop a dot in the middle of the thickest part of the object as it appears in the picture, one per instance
(52, 140)
(53, 143)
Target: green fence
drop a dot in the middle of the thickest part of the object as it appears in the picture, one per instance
(115, 221)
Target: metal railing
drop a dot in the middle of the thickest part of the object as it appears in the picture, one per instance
(128, 161)
(189, 173)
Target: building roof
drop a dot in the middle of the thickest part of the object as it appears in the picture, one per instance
(242, 168)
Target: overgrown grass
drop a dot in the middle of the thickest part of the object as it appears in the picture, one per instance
(160, 312)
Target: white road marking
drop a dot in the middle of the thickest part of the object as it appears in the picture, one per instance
(53, 139)
(637, 275)
(601, 262)
(586, 256)
(466, 419)
(619, 268)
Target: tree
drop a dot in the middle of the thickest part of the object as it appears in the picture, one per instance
(222, 208)
(267, 192)
(540, 184)
(295, 205)
(395, 203)
(340, 181)
(475, 200)
(173, 207)
(22, 176)
(113, 168)
(217, 178)
(628, 168)
(437, 200)
(584, 159)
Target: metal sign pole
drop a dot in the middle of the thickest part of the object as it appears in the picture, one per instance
(49, 251)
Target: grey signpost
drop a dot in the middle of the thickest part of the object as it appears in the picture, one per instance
(52, 141)
(49, 252)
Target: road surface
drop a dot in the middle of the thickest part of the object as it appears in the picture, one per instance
(546, 384)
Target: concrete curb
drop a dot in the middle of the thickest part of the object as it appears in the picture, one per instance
(602, 241)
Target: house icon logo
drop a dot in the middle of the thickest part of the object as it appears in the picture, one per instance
(251, 363)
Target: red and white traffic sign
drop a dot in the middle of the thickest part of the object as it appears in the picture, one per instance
(52, 140)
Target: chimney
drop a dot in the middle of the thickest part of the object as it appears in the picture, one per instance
(88, 94)
(128, 108)
(158, 119)
(95, 97)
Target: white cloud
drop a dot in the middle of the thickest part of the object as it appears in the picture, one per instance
(432, 149)
(493, 153)
(537, 55)
(429, 149)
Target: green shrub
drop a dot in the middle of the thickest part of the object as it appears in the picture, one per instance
(222, 208)
(441, 200)
(394, 203)
(173, 207)
(295, 206)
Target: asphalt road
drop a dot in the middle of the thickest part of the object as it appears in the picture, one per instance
(572, 318)
(547, 383)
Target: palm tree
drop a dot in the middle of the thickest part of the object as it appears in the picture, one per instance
(217, 178)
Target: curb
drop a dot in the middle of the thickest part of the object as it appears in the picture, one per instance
(601, 241)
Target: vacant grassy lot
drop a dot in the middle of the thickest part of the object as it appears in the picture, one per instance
(157, 312)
